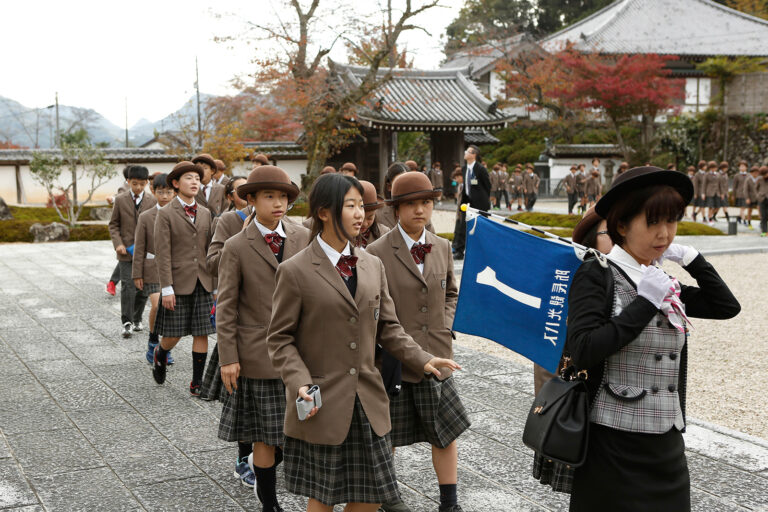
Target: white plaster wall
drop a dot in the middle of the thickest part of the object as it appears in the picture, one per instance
(294, 168)
(559, 168)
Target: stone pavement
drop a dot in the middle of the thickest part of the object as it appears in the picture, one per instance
(84, 427)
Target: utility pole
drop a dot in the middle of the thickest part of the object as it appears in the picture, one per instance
(126, 121)
(199, 123)
(58, 133)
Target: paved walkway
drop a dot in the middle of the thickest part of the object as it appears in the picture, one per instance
(84, 427)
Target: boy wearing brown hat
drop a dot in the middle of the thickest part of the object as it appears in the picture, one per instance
(531, 187)
(254, 410)
(722, 176)
(182, 237)
(516, 186)
(211, 194)
(122, 228)
(419, 270)
(712, 191)
(371, 230)
(761, 186)
(750, 193)
(569, 182)
(348, 169)
(219, 176)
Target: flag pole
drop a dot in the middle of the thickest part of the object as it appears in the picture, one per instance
(600, 256)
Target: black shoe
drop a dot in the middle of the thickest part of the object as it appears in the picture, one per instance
(452, 508)
(158, 367)
(127, 329)
(458, 256)
(275, 508)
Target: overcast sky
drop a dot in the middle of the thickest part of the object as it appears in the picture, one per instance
(97, 53)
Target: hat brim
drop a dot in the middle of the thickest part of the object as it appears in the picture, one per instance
(178, 173)
(677, 180)
(411, 196)
(587, 222)
(373, 206)
(251, 188)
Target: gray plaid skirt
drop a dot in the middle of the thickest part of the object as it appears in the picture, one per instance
(212, 388)
(429, 411)
(254, 412)
(557, 475)
(360, 470)
(192, 316)
(151, 288)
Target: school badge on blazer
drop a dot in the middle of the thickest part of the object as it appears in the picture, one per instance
(442, 284)
(376, 314)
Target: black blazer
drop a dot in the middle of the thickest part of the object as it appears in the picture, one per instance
(480, 194)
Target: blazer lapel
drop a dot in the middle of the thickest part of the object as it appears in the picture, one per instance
(364, 279)
(291, 243)
(260, 245)
(431, 260)
(176, 205)
(404, 255)
(200, 197)
(329, 273)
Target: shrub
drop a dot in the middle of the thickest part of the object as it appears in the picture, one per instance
(697, 229)
(43, 214)
(447, 236)
(89, 232)
(547, 219)
(17, 230)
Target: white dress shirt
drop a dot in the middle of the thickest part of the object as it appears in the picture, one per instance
(332, 253)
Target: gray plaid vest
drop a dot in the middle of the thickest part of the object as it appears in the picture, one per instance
(640, 392)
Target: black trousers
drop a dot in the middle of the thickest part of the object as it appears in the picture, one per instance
(530, 200)
(116, 274)
(764, 216)
(499, 193)
(460, 233)
(572, 200)
(132, 300)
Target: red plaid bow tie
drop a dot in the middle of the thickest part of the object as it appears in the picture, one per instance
(345, 265)
(191, 210)
(419, 251)
(274, 241)
(362, 240)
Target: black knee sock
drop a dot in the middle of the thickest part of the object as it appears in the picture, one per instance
(198, 365)
(162, 354)
(448, 495)
(265, 482)
(244, 450)
(153, 338)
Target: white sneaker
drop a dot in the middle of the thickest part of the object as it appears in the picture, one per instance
(138, 327)
(127, 330)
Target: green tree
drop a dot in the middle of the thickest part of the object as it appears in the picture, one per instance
(85, 163)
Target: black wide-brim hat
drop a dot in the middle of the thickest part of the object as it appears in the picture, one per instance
(268, 177)
(181, 169)
(639, 177)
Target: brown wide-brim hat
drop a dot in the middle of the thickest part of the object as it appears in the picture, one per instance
(220, 164)
(370, 198)
(205, 158)
(639, 177)
(268, 177)
(412, 185)
(328, 170)
(411, 165)
(181, 169)
(260, 158)
(587, 222)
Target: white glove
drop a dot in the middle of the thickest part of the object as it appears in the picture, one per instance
(680, 254)
(654, 285)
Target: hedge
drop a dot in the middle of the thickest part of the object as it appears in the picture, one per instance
(18, 231)
(44, 214)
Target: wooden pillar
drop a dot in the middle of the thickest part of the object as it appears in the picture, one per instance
(19, 187)
(384, 143)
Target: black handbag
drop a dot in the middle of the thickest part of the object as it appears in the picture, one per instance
(558, 422)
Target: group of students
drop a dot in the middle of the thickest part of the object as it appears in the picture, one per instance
(584, 188)
(518, 186)
(711, 192)
(359, 304)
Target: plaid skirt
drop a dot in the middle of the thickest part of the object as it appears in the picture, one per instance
(212, 388)
(429, 411)
(557, 475)
(192, 316)
(360, 470)
(254, 412)
(151, 288)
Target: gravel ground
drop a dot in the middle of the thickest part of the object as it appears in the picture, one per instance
(727, 359)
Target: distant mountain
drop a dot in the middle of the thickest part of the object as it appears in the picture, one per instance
(29, 127)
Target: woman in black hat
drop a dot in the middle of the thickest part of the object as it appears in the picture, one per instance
(627, 325)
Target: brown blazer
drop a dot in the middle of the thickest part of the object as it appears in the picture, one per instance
(722, 182)
(531, 183)
(224, 180)
(515, 184)
(738, 185)
(712, 184)
(436, 177)
(494, 177)
(750, 190)
(125, 216)
(382, 231)
(181, 248)
(570, 183)
(700, 183)
(762, 188)
(386, 217)
(319, 334)
(581, 182)
(224, 227)
(144, 268)
(425, 304)
(244, 307)
(217, 200)
(592, 187)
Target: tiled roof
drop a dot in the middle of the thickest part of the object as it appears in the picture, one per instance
(479, 137)
(696, 28)
(561, 150)
(134, 155)
(483, 58)
(412, 99)
(276, 149)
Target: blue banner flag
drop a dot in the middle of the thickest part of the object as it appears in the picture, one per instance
(514, 290)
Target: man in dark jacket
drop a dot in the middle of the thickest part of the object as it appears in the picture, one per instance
(476, 192)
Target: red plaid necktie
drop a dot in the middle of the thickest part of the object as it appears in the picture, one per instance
(274, 241)
(419, 251)
(191, 210)
(345, 265)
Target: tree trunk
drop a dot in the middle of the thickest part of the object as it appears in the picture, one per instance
(620, 139)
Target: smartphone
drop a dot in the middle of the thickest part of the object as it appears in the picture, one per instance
(303, 407)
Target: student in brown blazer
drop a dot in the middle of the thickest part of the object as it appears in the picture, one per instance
(386, 216)
(699, 187)
(531, 182)
(722, 184)
(219, 176)
(592, 188)
(581, 187)
(122, 228)
(516, 186)
(371, 230)
(212, 195)
(182, 237)
(330, 306)
(144, 270)
(750, 193)
(254, 408)
(712, 191)
(761, 185)
(419, 268)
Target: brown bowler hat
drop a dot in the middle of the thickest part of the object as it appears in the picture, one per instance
(205, 158)
(349, 166)
(370, 198)
(268, 177)
(220, 165)
(181, 169)
(586, 223)
(412, 185)
(327, 170)
(411, 165)
(260, 158)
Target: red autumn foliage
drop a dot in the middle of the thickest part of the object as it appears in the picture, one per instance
(9, 145)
